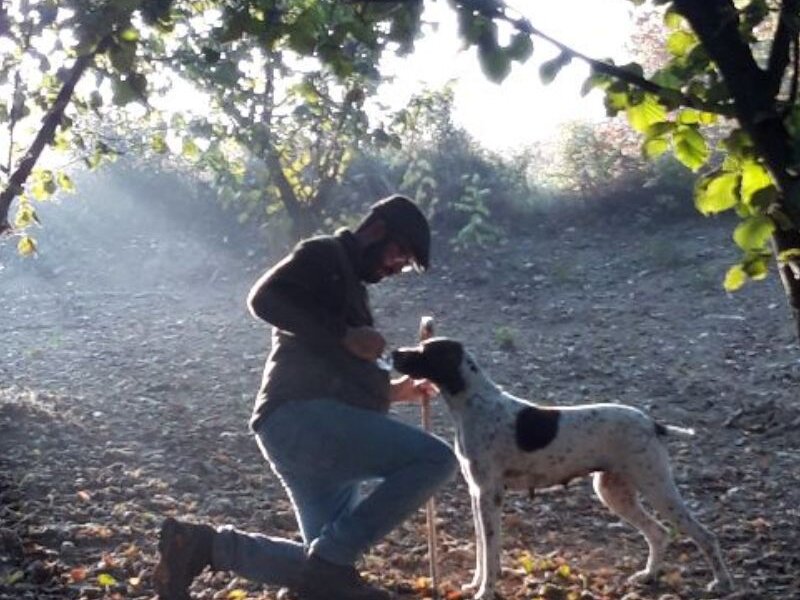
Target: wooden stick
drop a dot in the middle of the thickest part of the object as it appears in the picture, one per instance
(425, 332)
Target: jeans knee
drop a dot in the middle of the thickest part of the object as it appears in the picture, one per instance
(445, 462)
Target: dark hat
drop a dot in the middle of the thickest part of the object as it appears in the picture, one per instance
(405, 221)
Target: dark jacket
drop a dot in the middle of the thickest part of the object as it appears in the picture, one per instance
(310, 298)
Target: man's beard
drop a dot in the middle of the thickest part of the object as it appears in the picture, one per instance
(372, 270)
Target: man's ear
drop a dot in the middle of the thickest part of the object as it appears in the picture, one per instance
(372, 232)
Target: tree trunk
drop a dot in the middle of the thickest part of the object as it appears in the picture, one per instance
(754, 92)
(17, 180)
(302, 223)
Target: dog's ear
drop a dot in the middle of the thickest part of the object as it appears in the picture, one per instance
(443, 359)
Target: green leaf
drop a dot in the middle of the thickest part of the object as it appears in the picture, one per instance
(42, 184)
(122, 56)
(106, 580)
(158, 144)
(210, 55)
(520, 48)
(17, 575)
(550, 68)
(495, 64)
(690, 147)
(667, 78)
(738, 143)
(754, 178)
(790, 254)
(717, 194)
(190, 149)
(616, 101)
(688, 116)
(657, 130)
(681, 42)
(131, 34)
(672, 19)
(139, 84)
(756, 267)
(123, 92)
(735, 278)
(65, 182)
(595, 80)
(707, 118)
(645, 114)
(655, 147)
(26, 216)
(754, 233)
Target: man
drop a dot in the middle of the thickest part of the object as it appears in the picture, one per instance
(321, 420)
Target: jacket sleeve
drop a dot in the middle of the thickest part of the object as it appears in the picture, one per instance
(304, 294)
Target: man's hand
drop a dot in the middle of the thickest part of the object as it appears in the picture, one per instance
(405, 389)
(364, 342)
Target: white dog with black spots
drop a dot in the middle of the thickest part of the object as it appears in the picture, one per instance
(503, 442)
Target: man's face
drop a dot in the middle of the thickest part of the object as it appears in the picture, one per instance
(384, 259)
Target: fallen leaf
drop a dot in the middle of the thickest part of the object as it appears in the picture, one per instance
(14, 578)
(106, 580)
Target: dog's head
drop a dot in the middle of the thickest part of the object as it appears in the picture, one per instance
(441, 360)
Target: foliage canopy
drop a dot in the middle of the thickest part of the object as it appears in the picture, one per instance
(284, 84)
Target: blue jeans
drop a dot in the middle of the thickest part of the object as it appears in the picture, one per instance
(322, 451)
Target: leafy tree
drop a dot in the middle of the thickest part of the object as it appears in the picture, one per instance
(739, 62)
(49, 47)
(126, 44)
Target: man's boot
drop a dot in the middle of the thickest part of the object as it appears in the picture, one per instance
(185, 550)
(329, 581)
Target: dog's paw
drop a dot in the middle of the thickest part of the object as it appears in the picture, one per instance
(485, 593)
(642, 577)
(470, 588)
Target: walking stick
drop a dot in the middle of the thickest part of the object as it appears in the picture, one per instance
(425, 332)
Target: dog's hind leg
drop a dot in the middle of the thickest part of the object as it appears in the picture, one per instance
(620, 496)
(662, 494)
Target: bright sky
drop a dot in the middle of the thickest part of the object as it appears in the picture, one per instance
(521, 109)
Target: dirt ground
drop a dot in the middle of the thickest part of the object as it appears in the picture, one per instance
(128, 366)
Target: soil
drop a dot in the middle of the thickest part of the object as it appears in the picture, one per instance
(128, 367)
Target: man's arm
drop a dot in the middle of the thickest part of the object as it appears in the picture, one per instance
(303, 294)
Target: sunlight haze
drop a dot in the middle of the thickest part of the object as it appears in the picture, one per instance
(520, 110)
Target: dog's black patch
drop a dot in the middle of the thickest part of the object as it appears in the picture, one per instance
(439, 360)
(536, 427)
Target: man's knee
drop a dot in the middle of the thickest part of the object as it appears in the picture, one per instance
(444, 461)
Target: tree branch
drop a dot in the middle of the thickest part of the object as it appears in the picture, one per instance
(496, 9)
(785, 32)
(795, 76)
(46, 132)
(523, 25)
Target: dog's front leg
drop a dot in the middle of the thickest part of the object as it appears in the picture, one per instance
(490, 510)
(480, 548)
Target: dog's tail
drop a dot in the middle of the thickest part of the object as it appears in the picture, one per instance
(665, 430)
